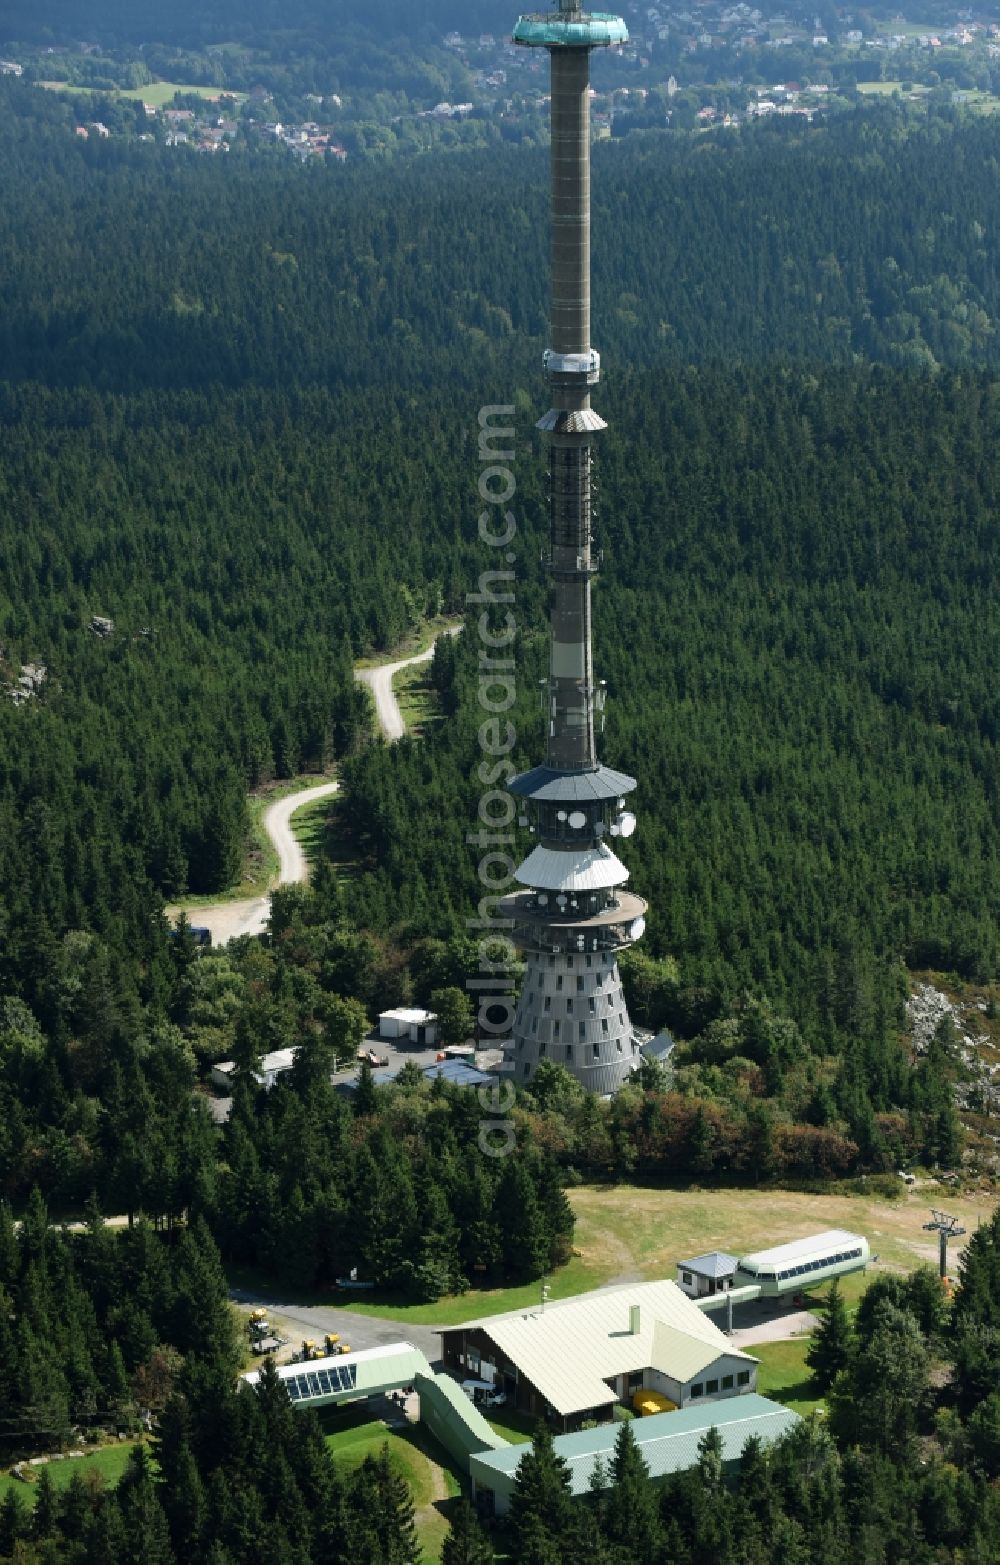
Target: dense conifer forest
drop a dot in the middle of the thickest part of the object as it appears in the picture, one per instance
(238, 420)
(258, 460)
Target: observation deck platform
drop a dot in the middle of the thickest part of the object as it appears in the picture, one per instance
(570, 30)
(523, 908)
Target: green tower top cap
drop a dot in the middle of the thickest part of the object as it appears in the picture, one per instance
(570, 29)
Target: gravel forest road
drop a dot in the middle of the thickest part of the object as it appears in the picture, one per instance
(379, 682)
(227, 920)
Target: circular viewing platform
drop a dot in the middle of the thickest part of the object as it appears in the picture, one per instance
(570, 30)
(523, 908)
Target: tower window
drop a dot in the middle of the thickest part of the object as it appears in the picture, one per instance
(583, 1029)
(569, 1007)
(593, 1005)
(579, 985)
(559, 981)
(548, 1003)
(543, 1046)
(604, 1024)
(590, 961)
(619, 1046)
(534, 1024)
(555, 1029)
(569, 1051)
(597, 1051)
(569, 963)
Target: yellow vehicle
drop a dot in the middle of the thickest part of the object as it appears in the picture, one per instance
(332, 1339)
(344, 1347)
(258, 1315)
(648, 1402)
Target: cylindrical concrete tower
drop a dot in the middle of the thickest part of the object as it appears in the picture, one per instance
(574, 915)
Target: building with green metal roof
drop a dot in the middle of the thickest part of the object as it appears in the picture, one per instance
(668, 1443)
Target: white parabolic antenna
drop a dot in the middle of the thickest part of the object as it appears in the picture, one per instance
(626, 823)
(637, 928)
(577, 819)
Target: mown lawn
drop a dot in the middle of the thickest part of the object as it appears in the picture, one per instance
(785, 1375)
(108, 1463)
(575, 1277)
(514, 1426)
(161, 94)
(647, 1230)
(352, 1435)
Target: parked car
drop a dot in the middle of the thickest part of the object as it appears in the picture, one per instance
(483, 1393)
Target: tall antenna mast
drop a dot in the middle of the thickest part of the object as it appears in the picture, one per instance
(573, 917)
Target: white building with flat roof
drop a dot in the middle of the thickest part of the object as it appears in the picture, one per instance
(415, 1025)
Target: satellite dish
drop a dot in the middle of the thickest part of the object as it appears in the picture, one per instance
(561, 900)
(577, 820)
(600, 829)
(637, 928)
(543, 899)
(626, 823)
(561, 816)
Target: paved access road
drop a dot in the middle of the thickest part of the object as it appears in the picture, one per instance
(296, 1321)
(379, 682)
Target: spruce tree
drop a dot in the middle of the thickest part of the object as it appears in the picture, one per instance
(14, 1522)
(466, 1543)
(147, 1539)
(45, 1516)
(829, 1349)
(542, 1520)
(400, 1541)
(364, 1101)
(632, 1513)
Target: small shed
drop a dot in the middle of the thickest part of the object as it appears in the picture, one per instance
(707, 1274)
(269, 1069)
(415, 1025)
(659, 1048)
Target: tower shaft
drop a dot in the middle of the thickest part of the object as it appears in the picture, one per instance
(574, 917)
(570, 319)
(572, 368)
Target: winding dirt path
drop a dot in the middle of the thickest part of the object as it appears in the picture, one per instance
(227, 920)
(379, 681)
